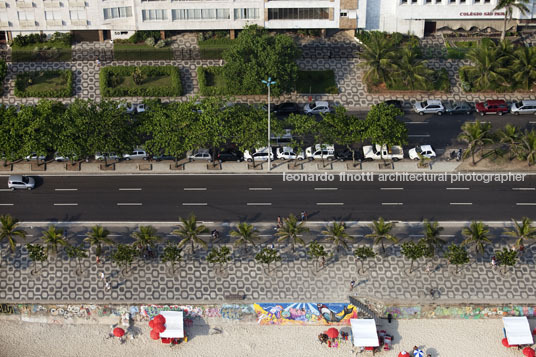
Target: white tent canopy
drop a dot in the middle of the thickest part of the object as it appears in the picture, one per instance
(174, 324)
(364, 332)
(518, 330)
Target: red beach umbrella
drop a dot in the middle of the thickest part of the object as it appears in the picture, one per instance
(403, 354)
(119, 332)
(151, 323)
(505, 342)
(159, 319)
(155, 335)
(529, 352)
(159, 328)
(333, 332)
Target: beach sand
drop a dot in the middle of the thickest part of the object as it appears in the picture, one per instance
(442, 338)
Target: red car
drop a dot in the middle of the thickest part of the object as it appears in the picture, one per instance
(492, 107)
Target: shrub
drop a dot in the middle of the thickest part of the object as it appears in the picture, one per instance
(111, 78)
(141, 36)
(150, 41)
(161, 44)
(205, 79)
(24, 81)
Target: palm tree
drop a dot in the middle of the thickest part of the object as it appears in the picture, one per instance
(97, 237)
(510, 136)
(145, 237)
(412, 69)
(522, 231)
(381, 231)
(189, 231)
(52, 237)
(524, 66)
(476, 135)
(245, 234)
(378, 55)
(291, 231)
(488, 68)
(337, 235)
(431, 239)
(508, 7)
(477, 235)
(527, 147)
(9, 231)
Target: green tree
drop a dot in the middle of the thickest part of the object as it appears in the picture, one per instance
(76, 125)
(10, 231)
(521, 231)
(457, 255)
(146, 236)
(507, 258)
(52, 238)
(527, 147)
(11, 135)
(318, 252)
(245, 234)
(510, 136)
(412, 69)
(378, 57)
(256, 55)
(477, 235)
(124, 256)
(336, 235)
(345, 129)
(37, 254)
(172, 254)
(291, 230)
(219, 257)
(363, 253)
(524, 66)
(381, 231)
(508, 6)
(97, 237)
(211, 129)
(267, 256)
(476, 135)
(302, 126)
(488, 71)
(413, 251)
(383, 126)
(189, 231)
(431, 239)
(76, 252)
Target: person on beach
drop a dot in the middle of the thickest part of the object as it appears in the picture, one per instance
(493, 262)
(352, 284)
(101, 275)
(107, 287)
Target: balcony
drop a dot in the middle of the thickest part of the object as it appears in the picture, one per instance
(51, 4)
(54, 22)
(77, 3)
(79, 22)
(24, 4)
(27, 23)
(4, 23)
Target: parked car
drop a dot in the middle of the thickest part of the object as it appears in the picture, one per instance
(288, 153)
(20, 182)
(200, 154)
(346, 155)
(285, 137)
(319, 152)
(492, 107)
(524, 107)
(458, 108)
(34, 156)
(136, 154)
(61, 158)
(399, 104)
(140, 108)
(432, 106)
(100, 156)
(424, 150)
(286, 108)
(317, 107)
(378, 152)
(162, 157)
(260, 154)
(230, 155)
(129, 107)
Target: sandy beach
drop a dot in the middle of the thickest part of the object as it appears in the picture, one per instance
(442, 338)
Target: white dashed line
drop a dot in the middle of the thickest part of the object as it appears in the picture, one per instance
(419, 136)
(523, 189)
(195, 189)
(330, 204)
(259, 204)
(65, 189)
(65, 204)
(7, 204)
(194, 204)
(260, 189)
(458, 188)
(460, 203)
(326, 188)
(5, 189)
(391, 188)
(447, 235)
(416, 122)
(392, 204)
(129, 204)
(526, 204)
(130, 189)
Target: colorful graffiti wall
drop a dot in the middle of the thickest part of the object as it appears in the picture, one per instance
(304, 313)
(463, 312)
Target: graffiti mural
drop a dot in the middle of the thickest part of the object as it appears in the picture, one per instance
(7, 309)
(304, 313)
(460, 312)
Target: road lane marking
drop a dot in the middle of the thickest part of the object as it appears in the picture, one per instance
(356, 235)
(457, 188)
(258, 204)
(392, 204)
(5, 189)
(65, 204)
(65, 189)
(6, 204)
(326, 188)
(416, 122)
(129, 204)
(114, 235)
(330, 204)
(460, 203)
(130, 189)
(419, 136)
(416, 235)
(526, 203)
(532, 122)
(194, 203)
(260, 189)
(195, 189)
(391, 188)
(447, 235)
(523, 188)
(265, 235)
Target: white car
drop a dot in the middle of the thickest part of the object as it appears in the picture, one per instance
(424, 150)
(319, 152)
(429, 107)
(61, 158)
(288, 153)
(136, 154)
(140, 108)
(285, 137)
(34, 156)
(260, 154)
(524, 107)
(112, 156)
(316, 108)
(200, 154)
(129, 108)
(22, 182)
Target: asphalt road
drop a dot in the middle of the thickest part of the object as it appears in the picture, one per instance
(231, 198)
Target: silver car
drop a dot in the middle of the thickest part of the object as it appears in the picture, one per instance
(20, 182)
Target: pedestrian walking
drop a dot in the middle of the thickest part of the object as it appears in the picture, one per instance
(432, 293)
(108, 287)
(272, 246)
(322, 262)
(97, 62)
(352, 284)
(302, 216)
(493, 262)
(279, 222)
(101, 275)
(98, 259)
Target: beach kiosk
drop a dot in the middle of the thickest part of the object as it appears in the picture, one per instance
(517, 331)
(174, 324)
(364, 333)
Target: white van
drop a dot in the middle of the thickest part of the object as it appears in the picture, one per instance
(260, 154)
(319, 152)
(288, 153)
(524, 107)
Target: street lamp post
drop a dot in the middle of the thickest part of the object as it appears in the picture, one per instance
(268, 83)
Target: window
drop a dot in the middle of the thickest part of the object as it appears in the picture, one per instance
(154, 15)
(53, 15)
(438, 1)
(452, 1)
(344, 14)
(403, 1)
(477, 1)
(77, 14)
(462, 1)
(298, 14)
(252, 13)
(413, 1)
(26, 15)
(428, 1)
(487, 1)
(117, 12)
(200, 14)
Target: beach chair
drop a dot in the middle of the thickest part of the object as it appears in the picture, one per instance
(387, 340)
(166, 340)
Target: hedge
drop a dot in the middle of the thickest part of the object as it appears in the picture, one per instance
(205, 79)
(214, 48)
(127, 52)
(23, 84)
(110, 77)
(439, 82)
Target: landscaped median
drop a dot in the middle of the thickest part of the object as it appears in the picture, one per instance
(45, 84)
(140, 81)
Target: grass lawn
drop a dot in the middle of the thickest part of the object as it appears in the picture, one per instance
(316, 82)
(213, 48)
(140, 51)
(53, 53)
(215, 80)
(52, 84)
(157, 81)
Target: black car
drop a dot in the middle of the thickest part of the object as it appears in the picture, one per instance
(162, 157)
(397, 103)
(346, 155)
(287, 108)
(458, 108)
(230, 156)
